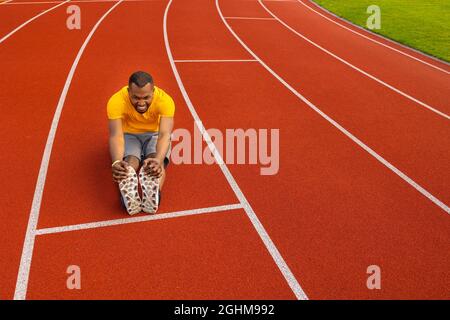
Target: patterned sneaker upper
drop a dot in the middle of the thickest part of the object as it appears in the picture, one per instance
(129, 191)
(150, 192)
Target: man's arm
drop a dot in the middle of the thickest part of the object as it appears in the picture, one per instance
(162, 145)
(154, 166)
(116, 141)
(117, 149)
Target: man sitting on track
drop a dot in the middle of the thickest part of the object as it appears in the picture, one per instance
(140, 124)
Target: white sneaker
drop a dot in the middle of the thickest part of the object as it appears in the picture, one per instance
(129, 191)
(150, 192)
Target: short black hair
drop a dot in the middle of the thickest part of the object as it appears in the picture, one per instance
(140, 78)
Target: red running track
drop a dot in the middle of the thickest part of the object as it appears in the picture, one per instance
(331, 211)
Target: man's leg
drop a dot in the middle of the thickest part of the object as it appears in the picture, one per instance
(132, 161)
(163, 176)
(149, 150)
(133, 150)
(132, 154)
(151, 186)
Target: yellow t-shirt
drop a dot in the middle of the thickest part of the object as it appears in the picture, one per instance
(120, 107)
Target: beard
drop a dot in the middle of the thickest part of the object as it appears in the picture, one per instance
(141, 109)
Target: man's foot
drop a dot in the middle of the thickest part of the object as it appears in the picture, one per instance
(129, 190)
(150, 192)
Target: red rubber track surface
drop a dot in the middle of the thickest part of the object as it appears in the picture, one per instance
(35, 62)
(332, 209)
(12, 16)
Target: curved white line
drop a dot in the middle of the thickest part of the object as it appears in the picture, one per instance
(27, 251)
(30, 20)
(287, 273)
(442, 114)
(378, 42)
(419, 188)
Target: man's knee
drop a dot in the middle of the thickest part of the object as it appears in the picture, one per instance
(153, 155)
(133, 161)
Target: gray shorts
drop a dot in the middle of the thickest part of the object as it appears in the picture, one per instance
(140, 145)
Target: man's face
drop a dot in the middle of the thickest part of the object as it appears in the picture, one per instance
(141, 98)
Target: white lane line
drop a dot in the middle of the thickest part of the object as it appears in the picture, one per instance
(27, 251)
(248, 18)
(414, 184)
(442, 114)
(30, 20)
(115, 222)
(276, 256)
(375, 41)
(243, 60)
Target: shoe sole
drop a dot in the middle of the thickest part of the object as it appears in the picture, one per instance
(150, 192)
(129, 190)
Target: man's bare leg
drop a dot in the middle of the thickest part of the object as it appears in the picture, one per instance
(133, 161)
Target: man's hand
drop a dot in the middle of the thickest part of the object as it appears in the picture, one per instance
(153, 167)
(119, 171)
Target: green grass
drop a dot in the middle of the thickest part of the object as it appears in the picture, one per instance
(420, 24)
